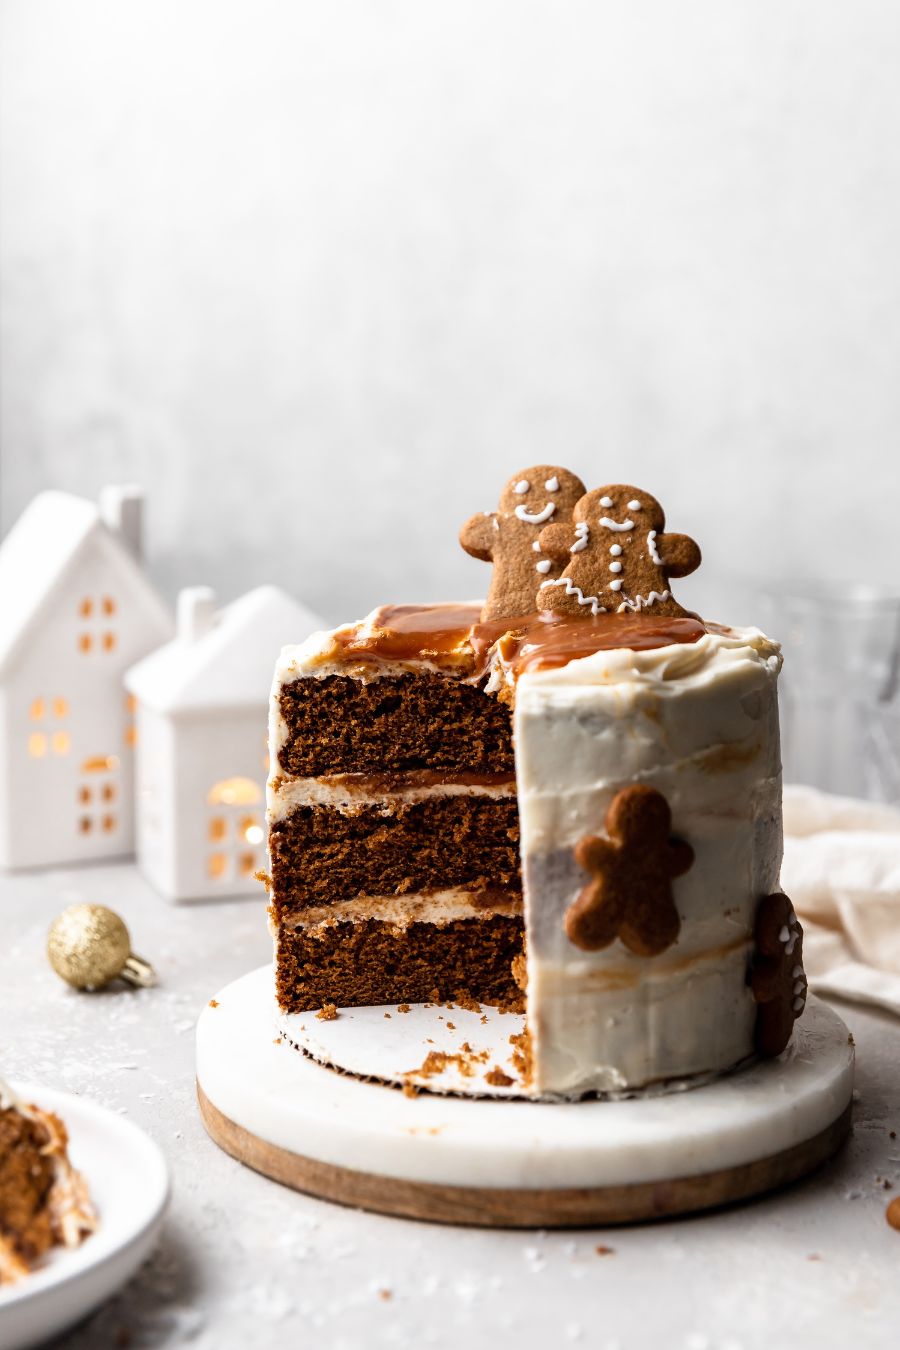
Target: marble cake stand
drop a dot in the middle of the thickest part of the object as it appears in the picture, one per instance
(455, 1155)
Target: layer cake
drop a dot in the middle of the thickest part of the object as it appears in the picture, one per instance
(575, 812)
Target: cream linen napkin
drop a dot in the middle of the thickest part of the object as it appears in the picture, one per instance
(842, 871)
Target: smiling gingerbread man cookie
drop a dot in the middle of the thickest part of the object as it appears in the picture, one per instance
(510, 536)
(618, 558)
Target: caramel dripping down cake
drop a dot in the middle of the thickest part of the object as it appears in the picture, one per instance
(576, 810)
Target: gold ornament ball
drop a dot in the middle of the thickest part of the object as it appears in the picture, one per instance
(88, 946)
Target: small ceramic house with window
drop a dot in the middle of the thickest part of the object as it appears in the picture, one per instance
(76, 609)
(202, 709)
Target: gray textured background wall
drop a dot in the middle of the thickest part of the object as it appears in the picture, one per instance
(321, 275)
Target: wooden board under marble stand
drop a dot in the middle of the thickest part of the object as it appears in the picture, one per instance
(511, 1163)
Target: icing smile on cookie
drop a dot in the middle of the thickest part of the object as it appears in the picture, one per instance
(608, 524)
(536, 517)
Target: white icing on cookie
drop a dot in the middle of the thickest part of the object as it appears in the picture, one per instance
(536, 517)
(581, 537)
(522, 486)
(615, 567)
(536, 545)
(611, 524)
(571, 589)
(652, 549)
(552, 484)
(606, 502)
(616, 585)
(543, 565)
(643, 601)
(616, 550)
(634, 505)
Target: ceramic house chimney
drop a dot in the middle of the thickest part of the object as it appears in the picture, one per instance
(122, 511)
(196, 612)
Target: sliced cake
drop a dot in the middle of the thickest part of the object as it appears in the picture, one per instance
(613, 752)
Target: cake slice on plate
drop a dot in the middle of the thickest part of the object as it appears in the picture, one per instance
(44, 1201)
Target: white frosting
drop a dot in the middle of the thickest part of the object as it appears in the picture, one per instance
(543, 566)
(582, 535)
(639, 602)
(285, 794)
(439, 907)
(522, 486)
(652, 549)
(571, 589)
(536, 517)
(552, 484)
(620, 526)
(699, 722)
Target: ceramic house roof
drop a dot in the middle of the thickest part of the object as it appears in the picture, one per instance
(40, 552)
(231, 664)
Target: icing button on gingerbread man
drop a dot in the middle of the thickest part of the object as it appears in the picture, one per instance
(617, 558)
(630, 896)
(510, 536)
(777, 978)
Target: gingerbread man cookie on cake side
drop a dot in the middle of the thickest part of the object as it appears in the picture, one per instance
(509, 536)
(620, 560)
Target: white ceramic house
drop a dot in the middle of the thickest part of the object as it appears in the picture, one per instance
(202, 710)
(76, 610)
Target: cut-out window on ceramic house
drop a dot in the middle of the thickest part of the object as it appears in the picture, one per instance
(131, 734)
(97, 624)
(49, 735)
(235, 831)
(97, 795)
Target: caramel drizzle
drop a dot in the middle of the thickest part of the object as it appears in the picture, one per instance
(452, 636)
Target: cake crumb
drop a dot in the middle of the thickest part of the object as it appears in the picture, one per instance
(451, 1026)
(387, 1014)
(484, 1019)
(602, 1250)
(385, 1295)
(497, 1078)
(466, 1002)
(264, 878)
(435, 996)
(410, 1089)
(403, 1007)
(814, 1256)
(327, 1013)
(893, 1134)
(214, 1003)
(277, 1040)
(521, 1055)
(892, 1213)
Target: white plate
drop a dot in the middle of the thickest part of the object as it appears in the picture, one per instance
(279, 1095)
(129, 1185)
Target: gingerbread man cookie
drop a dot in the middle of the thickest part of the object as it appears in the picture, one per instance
(618, 558)
(630, 896)
(509, 536)
(777, 979)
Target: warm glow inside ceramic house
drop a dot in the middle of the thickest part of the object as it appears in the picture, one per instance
(76, 609)
(201, 709)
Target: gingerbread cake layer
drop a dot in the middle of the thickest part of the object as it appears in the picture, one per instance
(371, 962)
(337, 723)
(323, 855)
